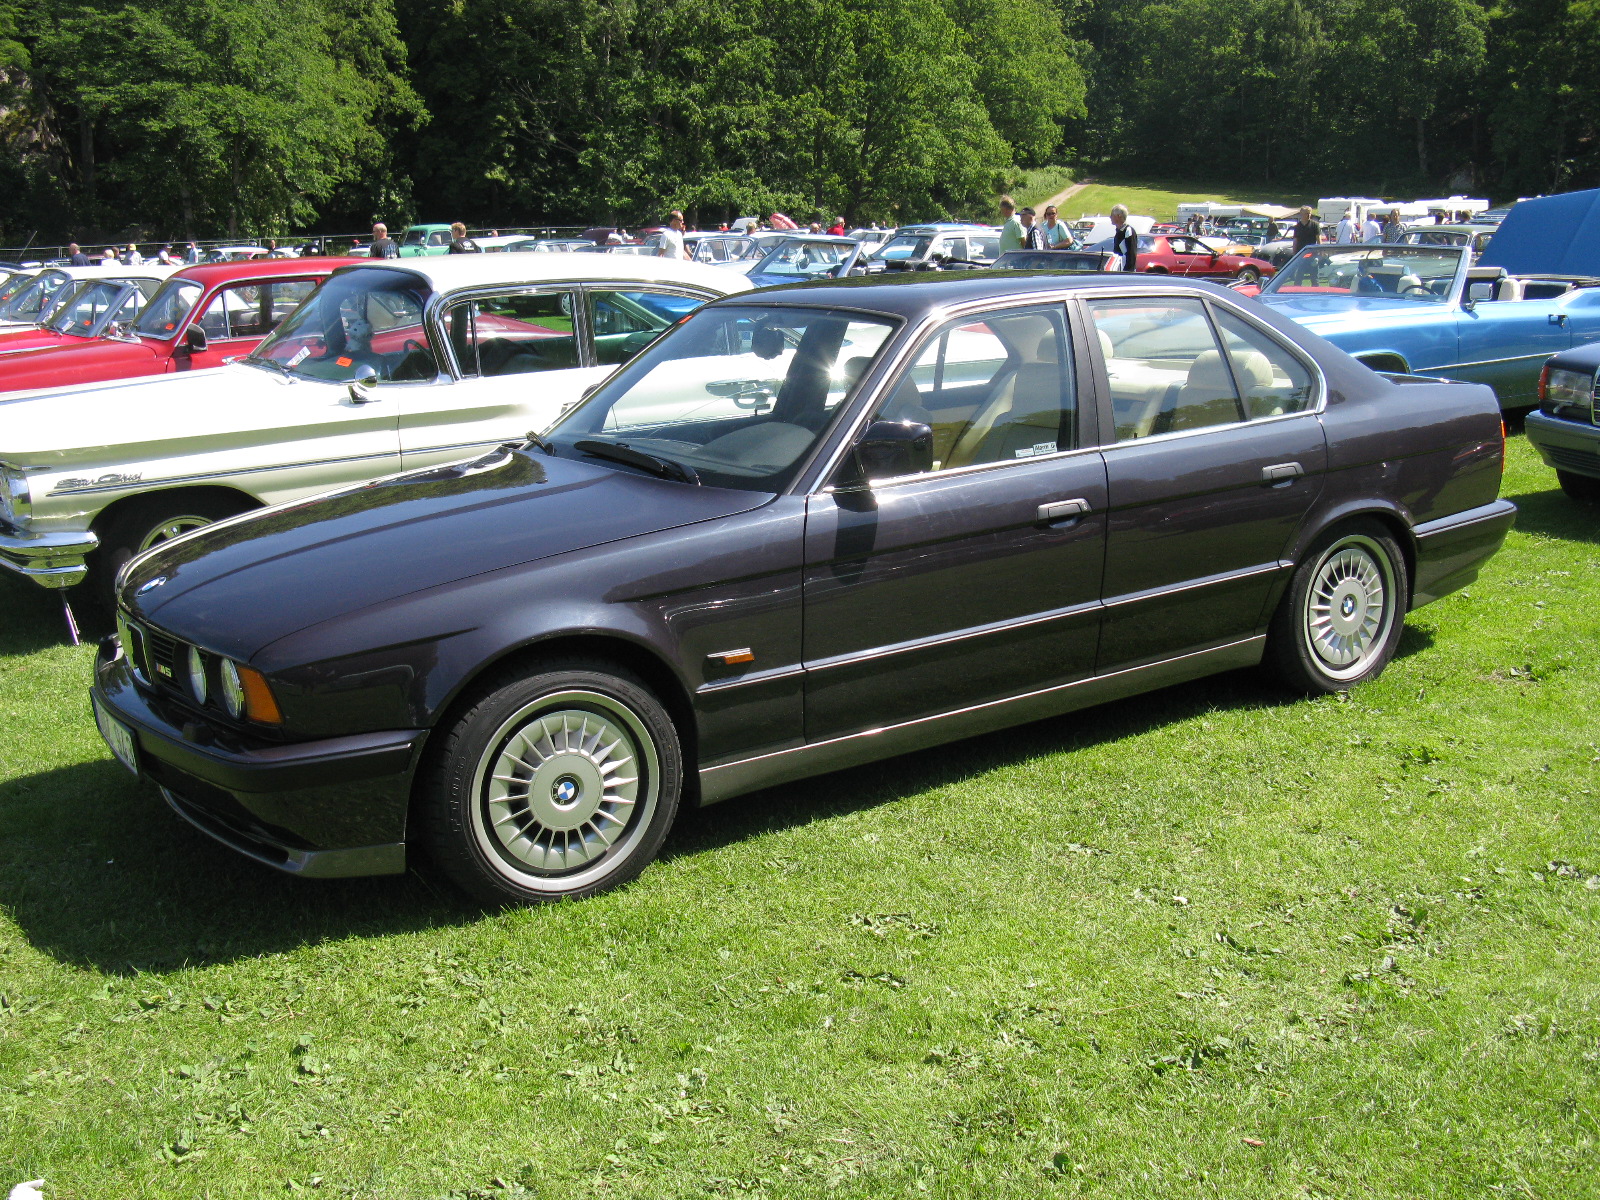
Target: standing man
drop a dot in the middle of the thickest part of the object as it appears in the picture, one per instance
(383, 246)
(1032, 235)
(1307, 230)
(460, 243)
(1347, 231)
(1124, 241)
(1392, 229)
(75, 256)
(1056, 234)
(1272, 230)
(672, 237)
(1372, 231)
(1010, 227)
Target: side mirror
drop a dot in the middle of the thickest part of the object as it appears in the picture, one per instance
(362, 383)
(195, 339)
(887, 450)
(1479, 291)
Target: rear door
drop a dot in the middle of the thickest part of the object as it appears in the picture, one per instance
(1214, 457)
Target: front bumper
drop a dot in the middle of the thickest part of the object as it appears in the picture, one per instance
(52, 560)
(322, 809)
(1565, 445)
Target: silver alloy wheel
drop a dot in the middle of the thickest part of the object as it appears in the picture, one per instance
(565, 790)
(1349, 607)
(173, 527)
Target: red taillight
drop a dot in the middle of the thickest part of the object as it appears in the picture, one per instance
(1544, 382)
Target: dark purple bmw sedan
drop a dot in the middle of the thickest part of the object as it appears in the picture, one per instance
(809, 527)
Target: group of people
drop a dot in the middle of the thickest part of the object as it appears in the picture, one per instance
(129, 256)
(1022, 229)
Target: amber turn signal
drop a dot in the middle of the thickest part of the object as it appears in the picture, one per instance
(259, 702)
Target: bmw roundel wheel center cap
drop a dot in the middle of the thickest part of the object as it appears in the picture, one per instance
(565, 791)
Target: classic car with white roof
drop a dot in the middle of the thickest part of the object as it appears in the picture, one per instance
(387, 366)
(35, 300)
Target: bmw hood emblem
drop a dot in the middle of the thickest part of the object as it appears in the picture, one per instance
(150, 585)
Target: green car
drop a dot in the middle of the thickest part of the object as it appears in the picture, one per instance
(425, 239)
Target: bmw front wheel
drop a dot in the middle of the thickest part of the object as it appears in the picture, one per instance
(1341, 619)
(555, 785)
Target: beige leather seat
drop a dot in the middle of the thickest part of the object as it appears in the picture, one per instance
(1510, 289)
(1024, 413)
(1206, 398)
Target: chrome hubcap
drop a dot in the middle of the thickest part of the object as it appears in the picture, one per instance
(173, 527)
(1348, 609)
(565, 783)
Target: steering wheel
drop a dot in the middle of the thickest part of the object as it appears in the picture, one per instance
(412, 346)
(1415, 289)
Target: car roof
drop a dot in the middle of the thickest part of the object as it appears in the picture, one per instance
(208, 274)
(115, 271)
(832, 239)
(447, 272)
(948, 227)
(911, 293)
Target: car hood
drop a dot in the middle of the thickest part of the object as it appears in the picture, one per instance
(241, 585)
(1549, 235)
(1323, 311)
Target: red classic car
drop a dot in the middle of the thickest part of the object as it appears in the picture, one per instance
(202, 316)
(1199, 257)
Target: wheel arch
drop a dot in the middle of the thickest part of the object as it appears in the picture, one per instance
(210, 492)
(1391, 518)
(1386, 361)
(633, 656)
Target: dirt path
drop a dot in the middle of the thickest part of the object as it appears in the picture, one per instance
(1061, 197)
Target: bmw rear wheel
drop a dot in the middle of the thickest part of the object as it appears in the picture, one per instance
(555, 785)
(1341, 619)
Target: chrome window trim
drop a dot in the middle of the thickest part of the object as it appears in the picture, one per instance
(808, 481)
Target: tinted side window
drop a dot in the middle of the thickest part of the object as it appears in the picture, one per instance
(1274, 381)
(992, 390)
(1165, 370)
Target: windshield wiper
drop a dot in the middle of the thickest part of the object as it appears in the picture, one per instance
(623, 453)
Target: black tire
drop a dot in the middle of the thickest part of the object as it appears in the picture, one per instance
(1340, 620)
(1248, 275)
(139, 526)
(1585, 488)
(566, 817)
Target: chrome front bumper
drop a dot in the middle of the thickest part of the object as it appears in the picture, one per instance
(52, 560)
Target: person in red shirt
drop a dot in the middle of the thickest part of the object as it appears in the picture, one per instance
(837, 228)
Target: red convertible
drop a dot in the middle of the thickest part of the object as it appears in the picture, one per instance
(202, 316)
(1200, 258)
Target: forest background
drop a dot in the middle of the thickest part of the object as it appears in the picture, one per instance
(208, 117)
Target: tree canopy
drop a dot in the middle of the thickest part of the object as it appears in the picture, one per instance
(205, 117)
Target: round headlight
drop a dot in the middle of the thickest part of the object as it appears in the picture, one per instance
(197, 675)
(232, 688)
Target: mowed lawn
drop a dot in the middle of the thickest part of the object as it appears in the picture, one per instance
(1153, 198)
(1214, 941)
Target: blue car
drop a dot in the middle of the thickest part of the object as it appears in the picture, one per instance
(807, 258)
(1426, 310)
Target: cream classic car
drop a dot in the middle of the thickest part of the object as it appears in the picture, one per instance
(387, 367)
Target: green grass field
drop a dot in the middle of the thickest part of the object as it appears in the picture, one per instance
(1145, 197)
(1211, 942)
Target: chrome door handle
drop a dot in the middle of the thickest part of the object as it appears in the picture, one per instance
(1061, 510)
(1282, 472)
(1558, 318)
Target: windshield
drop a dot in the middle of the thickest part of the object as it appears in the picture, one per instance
(804, 260)
(906, 245)
(168, 308)
(737, 395)
(33, 299)
(414, 237)
(14, 285)
(368, 316)
(1423, 273)
(94, 305)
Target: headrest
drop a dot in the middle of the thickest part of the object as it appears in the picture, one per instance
(852, 369)
(1208, 371)
(1046, 350)
(1253, 369)
(1105, 344)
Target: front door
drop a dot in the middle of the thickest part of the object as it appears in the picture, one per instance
(978, 577)
(1218, 454)
(1505, 344)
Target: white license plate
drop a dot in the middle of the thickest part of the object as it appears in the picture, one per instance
(118, 736)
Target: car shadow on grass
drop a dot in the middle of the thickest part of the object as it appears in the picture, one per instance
(97, 871)
(34, 618)
(1555, 514)
(825, 796)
